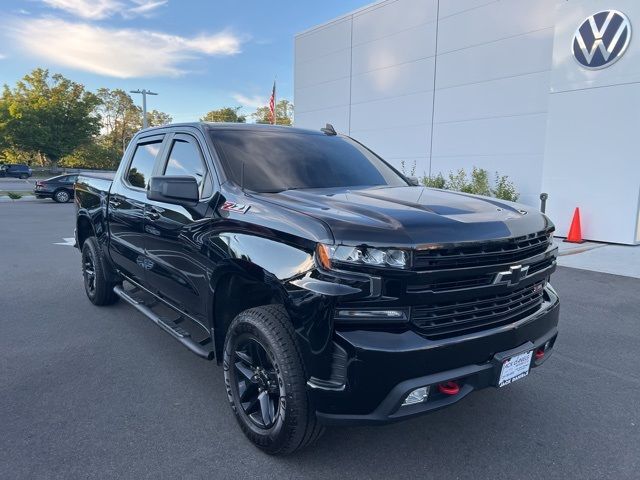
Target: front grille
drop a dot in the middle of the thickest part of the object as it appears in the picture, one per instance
(447, 285)
(449, 319)
(483, 254)
(467, 280)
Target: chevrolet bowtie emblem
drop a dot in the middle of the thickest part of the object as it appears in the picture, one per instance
(513, 276)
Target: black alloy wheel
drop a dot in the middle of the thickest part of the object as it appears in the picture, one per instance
(257, 382)
(89, 272)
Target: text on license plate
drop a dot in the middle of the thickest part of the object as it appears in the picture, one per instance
(515, 368)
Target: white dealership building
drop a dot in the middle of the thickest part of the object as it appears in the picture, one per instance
(545, 91)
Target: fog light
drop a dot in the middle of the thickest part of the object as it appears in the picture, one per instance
(416, 396)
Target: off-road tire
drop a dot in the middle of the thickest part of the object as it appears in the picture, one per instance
(296, 425)
(102, 292)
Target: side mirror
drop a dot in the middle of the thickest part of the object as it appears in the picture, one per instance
(413, 181)
(173, 189)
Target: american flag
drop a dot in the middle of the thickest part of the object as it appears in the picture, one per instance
(272, 105)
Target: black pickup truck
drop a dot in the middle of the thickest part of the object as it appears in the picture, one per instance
(332, 289)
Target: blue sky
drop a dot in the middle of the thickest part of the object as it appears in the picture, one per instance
(199, 55)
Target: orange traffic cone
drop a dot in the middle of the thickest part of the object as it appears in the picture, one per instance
(575, 232)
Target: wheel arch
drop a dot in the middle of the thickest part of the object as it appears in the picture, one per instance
(237, 286)
(84, 229)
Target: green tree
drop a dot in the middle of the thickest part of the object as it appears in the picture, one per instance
(157, 118)
(225, 114)
(94, 155)
(284, 113)
(121, 119)
(47, 115)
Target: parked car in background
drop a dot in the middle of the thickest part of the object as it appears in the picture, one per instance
(58, 188)
(18, 170)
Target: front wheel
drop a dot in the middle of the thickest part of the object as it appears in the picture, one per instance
(24, 176)
(265, 381)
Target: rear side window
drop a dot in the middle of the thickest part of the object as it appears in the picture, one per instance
(141, 166)
(185, 159)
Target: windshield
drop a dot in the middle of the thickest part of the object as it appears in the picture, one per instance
(280, 160)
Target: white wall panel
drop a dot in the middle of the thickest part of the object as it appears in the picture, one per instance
(510, 57)
(492, 136)
(404, 111)
(323, 69)
(388, 18)
(323, 95)
(406, 46)
(395, 143)
(524, 94)
(454, 7)
(481, 25)
(316, 119)
(322, 41)
(591, 161)
(398, 80)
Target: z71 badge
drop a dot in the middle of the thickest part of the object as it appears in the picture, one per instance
(235, 207)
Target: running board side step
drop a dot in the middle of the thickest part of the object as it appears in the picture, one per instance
(175, 331)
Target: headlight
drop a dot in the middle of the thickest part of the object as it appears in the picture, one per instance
(377, 257)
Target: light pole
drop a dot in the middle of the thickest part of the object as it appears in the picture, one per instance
(144, 104)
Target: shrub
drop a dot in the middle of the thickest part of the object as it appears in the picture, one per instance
(478, 184)
(457, 181)
(14, 195)
(505, 189)
(412, 170)
(434, 182)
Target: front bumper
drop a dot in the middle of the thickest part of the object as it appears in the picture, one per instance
(382, 368)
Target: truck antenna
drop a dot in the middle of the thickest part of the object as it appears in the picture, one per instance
(329, 130)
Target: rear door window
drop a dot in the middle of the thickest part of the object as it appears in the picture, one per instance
(141, 166)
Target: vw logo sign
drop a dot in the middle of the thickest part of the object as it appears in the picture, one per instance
(601, 39)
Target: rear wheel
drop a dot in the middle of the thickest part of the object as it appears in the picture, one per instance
(24, 176)
(96, 282)
(61, 196)
(265, 381)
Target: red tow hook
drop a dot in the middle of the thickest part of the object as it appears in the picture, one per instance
(539, 354)
(449, 388)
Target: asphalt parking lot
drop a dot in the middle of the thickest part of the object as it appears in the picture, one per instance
(10, 184)
(88, 392)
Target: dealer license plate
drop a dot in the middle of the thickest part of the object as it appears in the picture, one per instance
(515, 368)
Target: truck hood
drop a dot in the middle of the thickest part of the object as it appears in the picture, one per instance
(411, 216)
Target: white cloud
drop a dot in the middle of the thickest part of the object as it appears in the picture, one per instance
(122, 53)
(99, 9)
(91, 9)
(254, 101)
(2, 56)
(145, 7)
